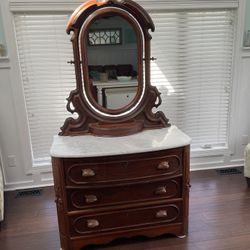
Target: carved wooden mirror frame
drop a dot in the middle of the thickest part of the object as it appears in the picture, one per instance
(93, 118)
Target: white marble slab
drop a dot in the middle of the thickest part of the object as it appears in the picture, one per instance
(92, 146)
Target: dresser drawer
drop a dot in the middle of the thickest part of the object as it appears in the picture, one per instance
(79, 173)
(113, 195)
(126, 219)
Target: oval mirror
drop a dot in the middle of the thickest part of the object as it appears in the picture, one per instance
(112, 56)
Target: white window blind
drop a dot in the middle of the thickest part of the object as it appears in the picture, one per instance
(44, 49)
(193, 71)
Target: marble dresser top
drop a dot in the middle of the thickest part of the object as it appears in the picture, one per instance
(92, 146)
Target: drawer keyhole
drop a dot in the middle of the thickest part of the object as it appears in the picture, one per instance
(125, 164)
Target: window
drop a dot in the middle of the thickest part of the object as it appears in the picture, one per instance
(193, 71)
(44, 49)
(3, 51)
(246, 40)
(194, 51)
(104, 37)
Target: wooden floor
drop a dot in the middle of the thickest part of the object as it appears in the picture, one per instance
(219, 219)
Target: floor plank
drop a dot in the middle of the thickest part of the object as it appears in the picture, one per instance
(219, 219)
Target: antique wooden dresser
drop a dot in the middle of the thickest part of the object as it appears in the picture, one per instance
(134, 178)
(121, 187)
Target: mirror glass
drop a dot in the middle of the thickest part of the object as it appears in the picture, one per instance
(112, 61)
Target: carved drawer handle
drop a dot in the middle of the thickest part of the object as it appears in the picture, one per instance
(90, 198)
(92, 223)
(87, 172)
(161, 190)
(162, 214)
(163, 165)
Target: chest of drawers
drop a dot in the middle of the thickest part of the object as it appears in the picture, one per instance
(102, 196)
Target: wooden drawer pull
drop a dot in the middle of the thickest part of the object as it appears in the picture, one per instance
(87, 172)
(92, 223)
(163, 165)
(90, 198)
(161, 190)
(162, 214)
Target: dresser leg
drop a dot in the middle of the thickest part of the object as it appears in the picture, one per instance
(248, 181)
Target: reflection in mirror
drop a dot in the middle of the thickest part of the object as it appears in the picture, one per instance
(112, 61)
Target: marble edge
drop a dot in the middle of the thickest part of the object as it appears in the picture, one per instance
(186, 140)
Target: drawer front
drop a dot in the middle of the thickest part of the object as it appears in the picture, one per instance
(79, 173)
(132, 218)
(96, 197)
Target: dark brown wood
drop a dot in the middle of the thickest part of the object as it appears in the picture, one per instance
(102, 198)
(123, 168)
(119, 129)
(129, 219)
(186, 188)
(93, 118)
(219, 219)
(110, 10)
(95, 197)
(60, 200)
(248, 181)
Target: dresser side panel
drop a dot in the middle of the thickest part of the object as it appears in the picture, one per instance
(61, 202)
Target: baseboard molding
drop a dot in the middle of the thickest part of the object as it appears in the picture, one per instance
(199, 168)
(14, 187)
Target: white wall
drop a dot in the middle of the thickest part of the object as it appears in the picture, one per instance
(13, 126)
(2, 38)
